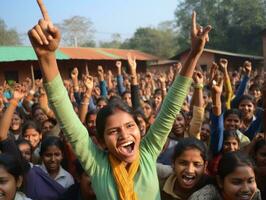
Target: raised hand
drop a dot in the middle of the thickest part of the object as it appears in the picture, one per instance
(247, 68)
(198, 78)
(88, 82)
(44, 36)
(162, 78)
(217, 86)
(18, 94)
(199, 36)
(223, 63)
(132, 64)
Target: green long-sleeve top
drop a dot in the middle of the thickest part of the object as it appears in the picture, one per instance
(95, 161)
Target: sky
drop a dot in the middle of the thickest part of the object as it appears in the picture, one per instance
(108, 16)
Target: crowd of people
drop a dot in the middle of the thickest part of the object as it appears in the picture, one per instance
(186, 134)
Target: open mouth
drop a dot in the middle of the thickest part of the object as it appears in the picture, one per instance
(2, 195)
(244, 197)
(127, 148)
(188, 179)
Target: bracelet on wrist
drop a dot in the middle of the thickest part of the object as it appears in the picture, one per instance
(198, 86)
(84, 103)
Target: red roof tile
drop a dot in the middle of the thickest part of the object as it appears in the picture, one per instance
(106, 54)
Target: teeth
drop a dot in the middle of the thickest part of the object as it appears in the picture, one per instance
(127, 143)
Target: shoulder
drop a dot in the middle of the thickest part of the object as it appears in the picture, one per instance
(208, 192)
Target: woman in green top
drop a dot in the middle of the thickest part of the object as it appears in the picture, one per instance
(127, 170)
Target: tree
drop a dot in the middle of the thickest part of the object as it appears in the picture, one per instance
(237, 24)
(8, 36)
(77, 31)
(160, 41)
(115, 42)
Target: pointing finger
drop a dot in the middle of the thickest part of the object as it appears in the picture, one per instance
(194, 24)
(43, 10)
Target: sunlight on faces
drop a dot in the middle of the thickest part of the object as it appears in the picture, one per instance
(8, 184)
(39, 115)
(247, 108)
(230, 145)
(15, 122)
(147, 110)
(101, 104)
(25, 150)
(158, 100)
(239, 185)
(205, 132)
(122, 136)
(232, 122)
(179, 126)
(127, 99)
(33, 136)
(52, 158)
(189, 168)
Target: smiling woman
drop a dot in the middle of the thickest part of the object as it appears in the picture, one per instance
(11, 174)
(235, 180)
(127, 166)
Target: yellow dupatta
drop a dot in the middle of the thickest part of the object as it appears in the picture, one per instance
(124, 178)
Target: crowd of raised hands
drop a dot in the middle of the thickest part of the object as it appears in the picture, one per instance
(208, 139)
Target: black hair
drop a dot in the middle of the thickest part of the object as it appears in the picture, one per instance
(233, 111)
(255, 86)
(230, 161)
(51, 141)
(190, 143)
(30, 124)
(105, 112)
(258, 145)
(101, 99)
(79, 169)
(11, 165)
(231, 133)
(125, 92)
(23, 141)
(247, 97)
(51, 120)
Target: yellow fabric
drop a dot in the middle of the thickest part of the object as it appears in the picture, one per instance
(124, 178)
(196, 122)
(229, 92)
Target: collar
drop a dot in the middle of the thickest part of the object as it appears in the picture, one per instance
(61, 173)
(169, 186)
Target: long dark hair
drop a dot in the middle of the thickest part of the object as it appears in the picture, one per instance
(190, 143)
(11, 165)
(230, 161)
(105, 112)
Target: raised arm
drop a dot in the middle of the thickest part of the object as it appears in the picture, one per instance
(103, 86)
(119, 78)
(217, 127)
(83, 108)
(198, 106)
(135, 97)
(45, 40)
(8, 114)
(223, 63)
(243, 84)
(158, 132)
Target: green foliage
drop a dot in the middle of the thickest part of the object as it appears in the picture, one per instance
(237, 24)
(159, 41)
(8, 36)
(115, 42)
